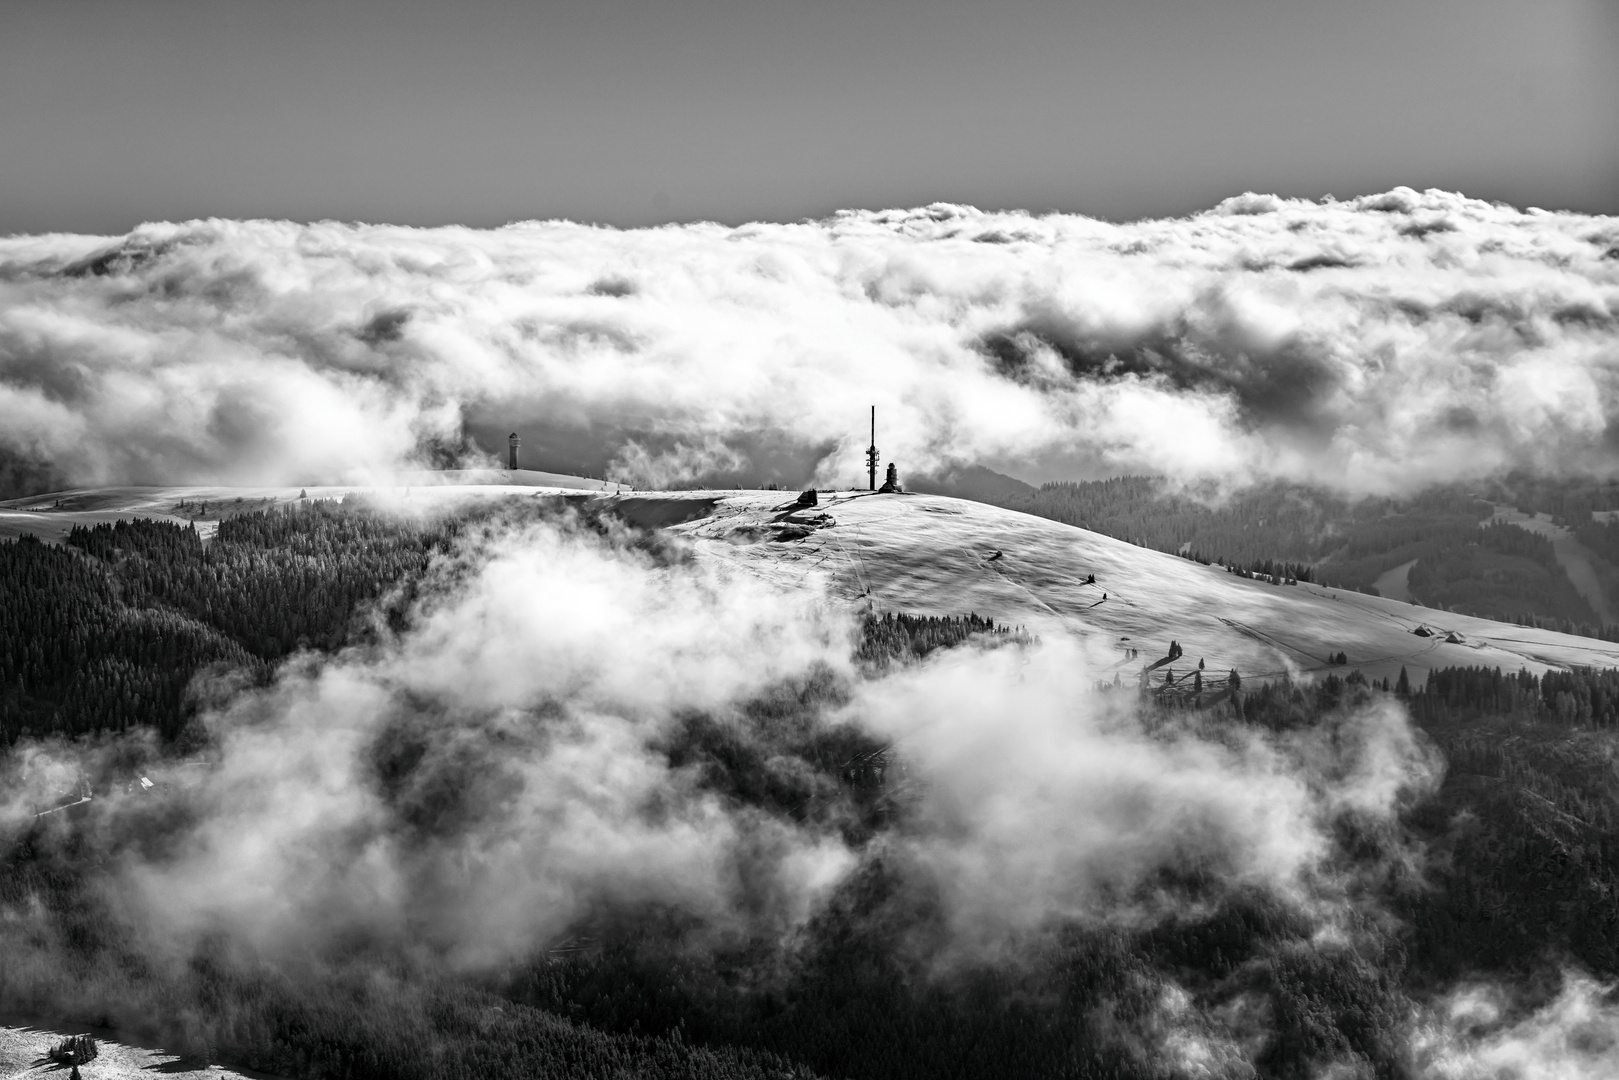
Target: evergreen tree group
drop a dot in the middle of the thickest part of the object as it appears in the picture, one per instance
(107, 632)
(898, 636)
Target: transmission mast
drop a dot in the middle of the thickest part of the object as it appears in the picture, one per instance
(871, 452)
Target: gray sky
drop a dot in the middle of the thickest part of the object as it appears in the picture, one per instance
(628, 112)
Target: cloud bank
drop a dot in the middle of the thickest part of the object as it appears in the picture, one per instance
(1371, 345)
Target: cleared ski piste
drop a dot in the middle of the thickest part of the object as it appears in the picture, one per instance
(933, 555)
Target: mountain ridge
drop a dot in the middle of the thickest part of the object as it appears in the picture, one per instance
(939, 555)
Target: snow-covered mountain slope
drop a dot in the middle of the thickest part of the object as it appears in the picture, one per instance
(928, 554)
(23, 1047)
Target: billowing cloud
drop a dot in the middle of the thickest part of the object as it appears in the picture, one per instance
(1480, 1031)
(495, 777)
(1371, 345)
(1039, 798)
(519, 764)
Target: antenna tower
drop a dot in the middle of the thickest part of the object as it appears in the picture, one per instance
(871, 452)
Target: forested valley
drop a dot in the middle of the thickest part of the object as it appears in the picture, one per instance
(118, 640)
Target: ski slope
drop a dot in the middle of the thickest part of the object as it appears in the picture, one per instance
(928, 554)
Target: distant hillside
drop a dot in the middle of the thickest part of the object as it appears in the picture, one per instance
(976, 483)
(1431, 545)
(1276, 522)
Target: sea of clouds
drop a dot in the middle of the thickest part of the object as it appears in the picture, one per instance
(1370, 345)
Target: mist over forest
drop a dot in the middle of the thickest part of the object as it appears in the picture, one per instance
(544, 790)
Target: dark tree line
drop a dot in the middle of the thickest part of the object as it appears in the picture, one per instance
(1581, 697)
(76, 658)
(1265, 523)
(274, 580)
(897, 636)
(1568, 501)
(1602, 537)
(1533, 869)
(1284, 573)
(107, 633)
(1500, 572)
